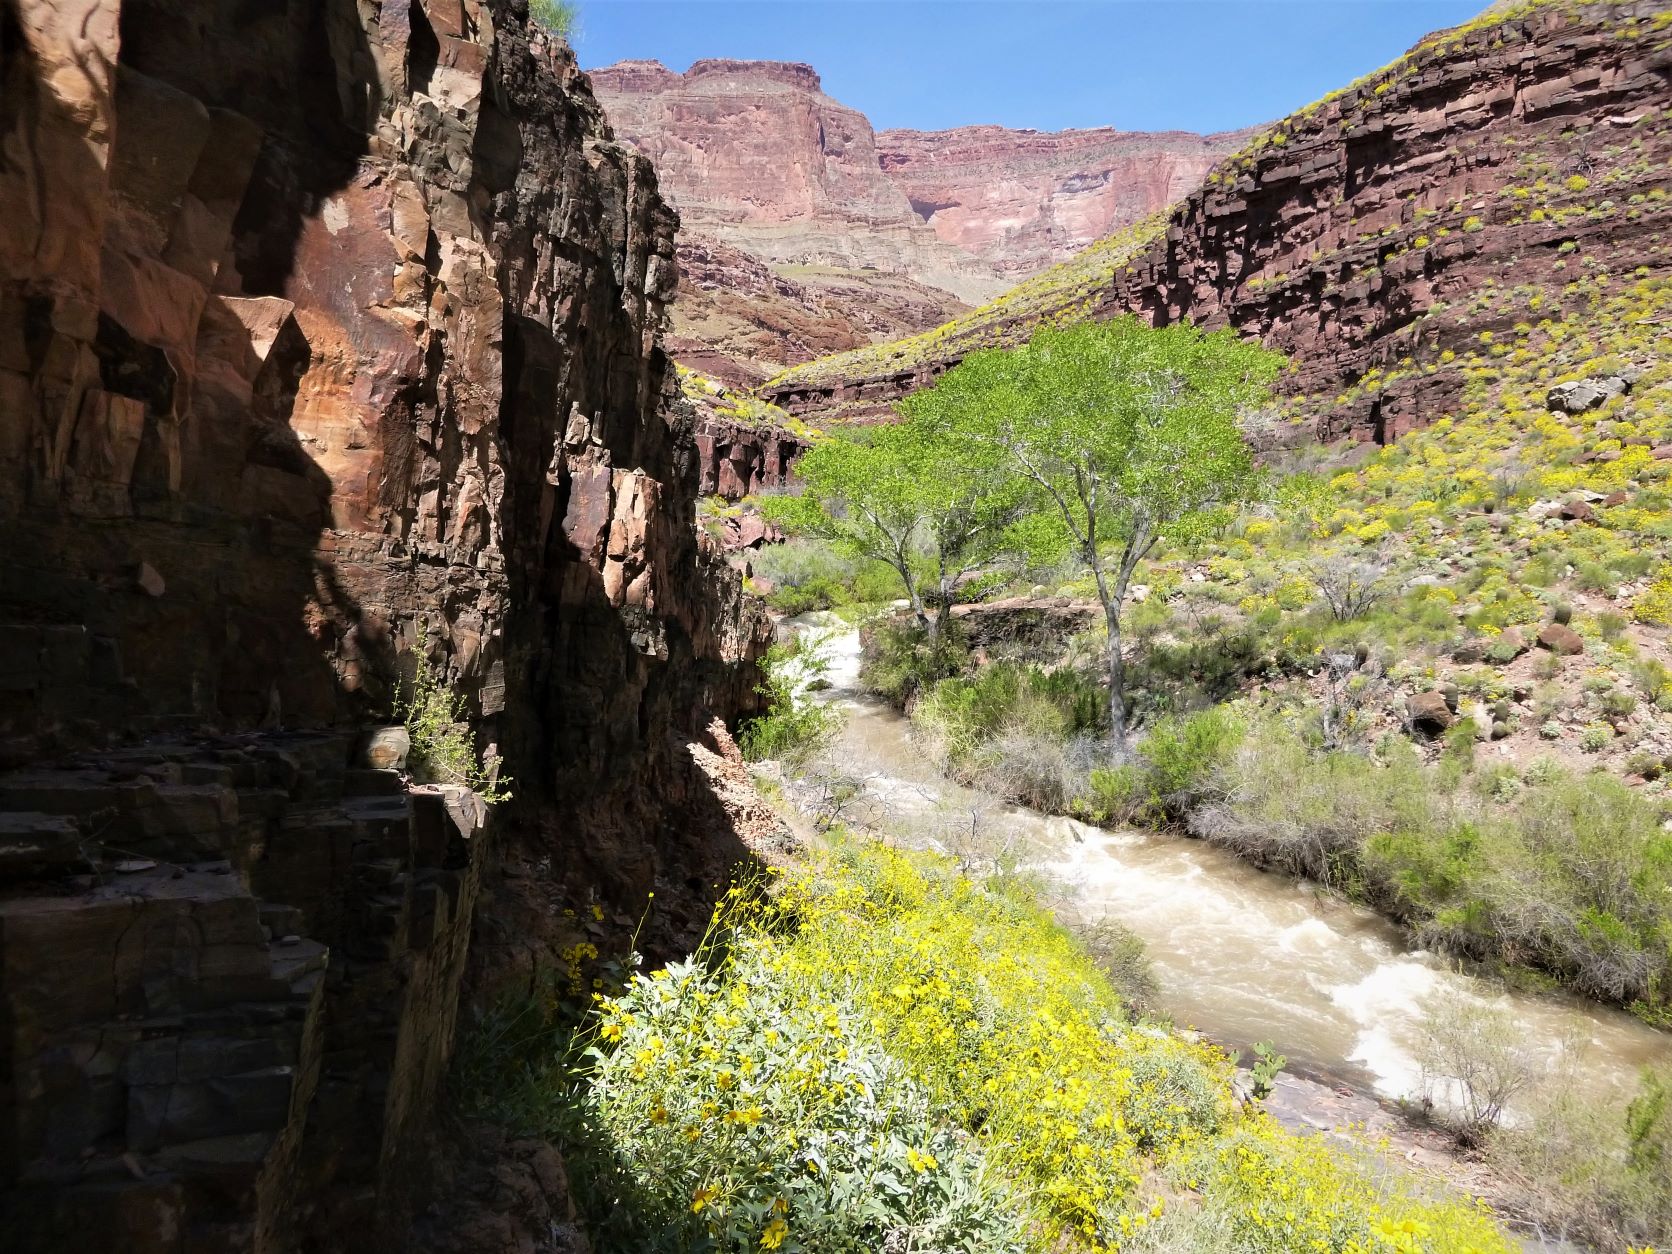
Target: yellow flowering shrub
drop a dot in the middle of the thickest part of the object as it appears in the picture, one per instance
(1654, 605)
(887, 1047)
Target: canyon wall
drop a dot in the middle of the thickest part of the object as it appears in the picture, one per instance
(329, 346)
(807, 233)
(755, 154)
(1022, 200)
(1528, 149)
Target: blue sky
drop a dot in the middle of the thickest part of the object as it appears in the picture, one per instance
(1199, 65)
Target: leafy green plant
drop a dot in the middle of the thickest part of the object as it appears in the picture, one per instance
(794, 728)
(1268, 1065)
(443, 749)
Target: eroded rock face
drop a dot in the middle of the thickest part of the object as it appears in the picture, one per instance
(329, 335)
(1022, 200)
(755, 154)
(1363, 240)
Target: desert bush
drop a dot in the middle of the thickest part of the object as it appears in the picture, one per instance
(1350, 587)
(1582, 1161)
(794, 727)
(1474, 1061)
(1185, 753)
(899, 660)
(443, 747)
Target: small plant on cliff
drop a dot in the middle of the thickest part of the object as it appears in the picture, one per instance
(558, 17)
(443, 751)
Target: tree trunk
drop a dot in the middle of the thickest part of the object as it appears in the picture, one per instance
(1117, 685)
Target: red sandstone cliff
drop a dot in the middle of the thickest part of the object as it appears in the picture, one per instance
(1359, 233)
(329, 337)
(755, 154)
(1021, 199)
(866, 235)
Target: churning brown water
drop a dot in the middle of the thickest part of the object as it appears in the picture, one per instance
(1241, 955)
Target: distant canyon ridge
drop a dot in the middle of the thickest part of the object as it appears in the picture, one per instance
(806, 232)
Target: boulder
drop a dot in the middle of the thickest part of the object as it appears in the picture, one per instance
(1561, 639)
(1579, 395)
(1578, 511)
(1429, 713)
(386, 748)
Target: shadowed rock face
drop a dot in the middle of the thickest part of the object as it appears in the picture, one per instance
(329, 335)
(1363, 237)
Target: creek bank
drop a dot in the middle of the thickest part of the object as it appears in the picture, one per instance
(1242, 955)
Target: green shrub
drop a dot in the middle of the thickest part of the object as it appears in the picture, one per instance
(794, 728)
(1185, 752)
(443, 749)
(560, 17)
(899, 661)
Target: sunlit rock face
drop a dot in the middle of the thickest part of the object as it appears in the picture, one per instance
(808, 233)
(1022, 200)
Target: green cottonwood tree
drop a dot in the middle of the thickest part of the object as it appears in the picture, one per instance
(1126, 433)
(916, 495)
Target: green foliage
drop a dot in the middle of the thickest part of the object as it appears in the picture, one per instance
(888, 1052)
(559, 17)
(810, 574)
(1184, 752)
(888, 494)
(741, 1122)
(1268, 1065)
(899, 661)
(1570, 874)
(794, 728)
(443, 749)
(1126, 434)
(1595, 1170)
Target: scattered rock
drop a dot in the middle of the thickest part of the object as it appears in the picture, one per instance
(1579, 395)
(149, 581)
(1429, 713)
(1561, 639)
(386, 748)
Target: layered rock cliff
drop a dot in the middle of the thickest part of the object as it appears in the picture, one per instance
(739, 320)
(1526, 152)
(329, 341)
(809, 234)
(1022, 200)
(755, 154)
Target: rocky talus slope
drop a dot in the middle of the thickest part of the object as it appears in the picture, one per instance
(329, 340)
(1528, 148)
(739, 320)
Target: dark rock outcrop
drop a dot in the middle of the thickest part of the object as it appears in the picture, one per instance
(329, 339)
